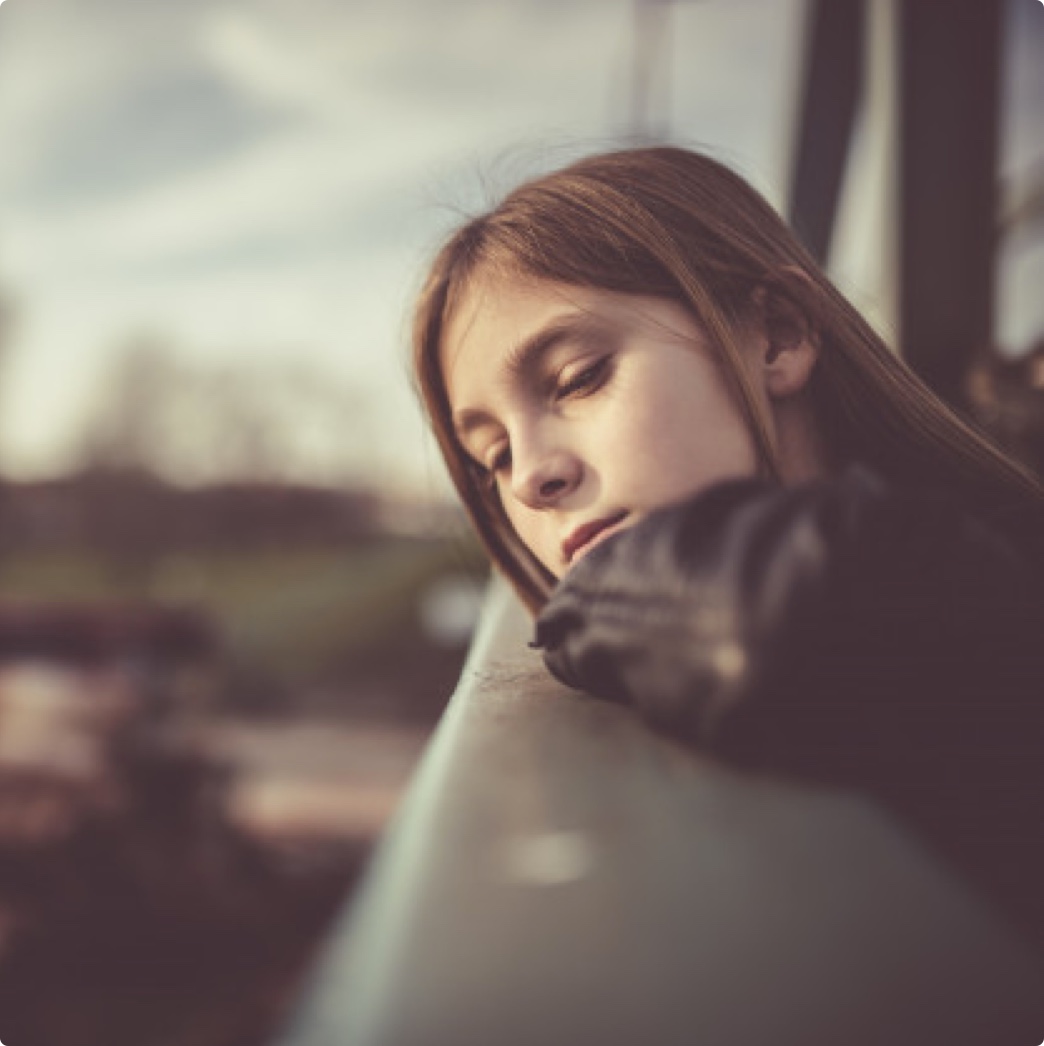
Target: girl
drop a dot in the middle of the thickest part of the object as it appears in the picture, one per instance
(732, 507)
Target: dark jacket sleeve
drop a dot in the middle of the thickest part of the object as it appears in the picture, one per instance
(845, 633)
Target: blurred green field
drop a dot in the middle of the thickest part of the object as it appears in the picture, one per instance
(288, 618)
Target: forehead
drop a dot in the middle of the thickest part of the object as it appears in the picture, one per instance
(494, 316)
(495, 313)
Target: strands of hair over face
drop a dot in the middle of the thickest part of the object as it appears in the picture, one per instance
(678, 225)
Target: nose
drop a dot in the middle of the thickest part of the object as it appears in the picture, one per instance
(544, 480)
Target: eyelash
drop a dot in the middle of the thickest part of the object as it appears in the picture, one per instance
(583, 383)
(487, 476)
(586, 381)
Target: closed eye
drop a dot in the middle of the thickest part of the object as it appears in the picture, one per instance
(487, 475)
(585, 381)
(501, 460)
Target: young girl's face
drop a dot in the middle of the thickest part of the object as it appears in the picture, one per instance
(587, 409)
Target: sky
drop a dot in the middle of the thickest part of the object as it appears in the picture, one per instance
(245, 193)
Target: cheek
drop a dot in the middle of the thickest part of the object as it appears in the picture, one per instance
(536, 533)
(682, 435)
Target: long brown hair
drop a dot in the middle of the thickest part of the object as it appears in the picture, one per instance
(673, 223)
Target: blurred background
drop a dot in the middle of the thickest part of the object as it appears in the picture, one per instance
(235, 592)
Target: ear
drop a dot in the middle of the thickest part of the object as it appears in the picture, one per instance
(787, 346)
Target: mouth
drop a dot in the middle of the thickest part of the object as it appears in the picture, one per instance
(587, 535)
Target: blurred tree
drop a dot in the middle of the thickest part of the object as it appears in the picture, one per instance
(7, 317)
(125, 434)
(252, 423)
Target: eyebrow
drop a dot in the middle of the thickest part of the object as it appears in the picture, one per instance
(526, 357)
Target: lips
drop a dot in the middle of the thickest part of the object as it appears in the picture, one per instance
(587, 535)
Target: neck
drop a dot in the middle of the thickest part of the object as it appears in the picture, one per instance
(801, 454)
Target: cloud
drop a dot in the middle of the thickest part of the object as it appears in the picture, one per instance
(259, 177)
